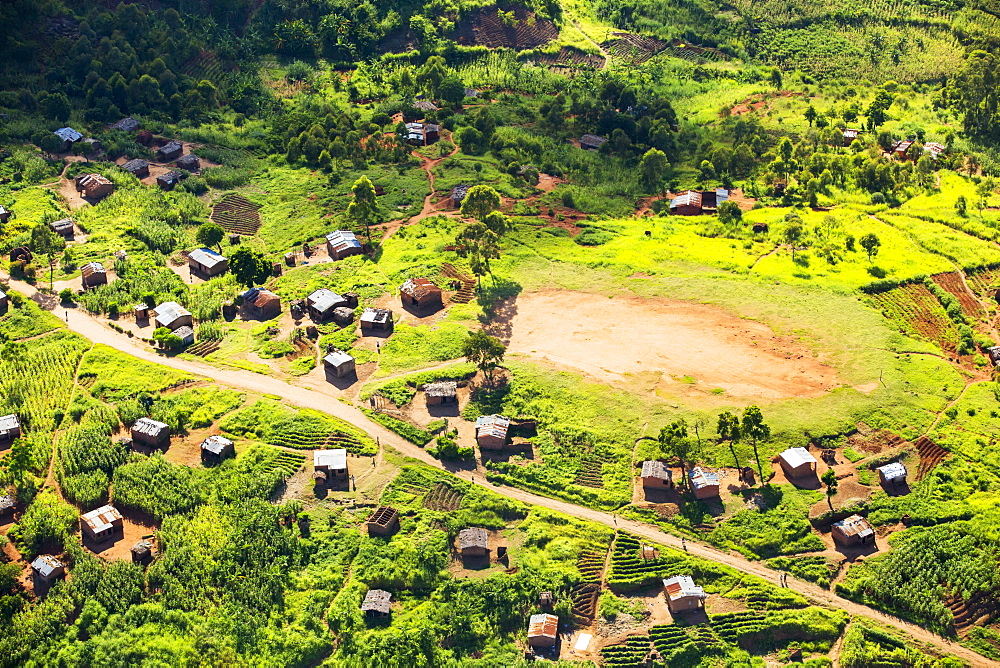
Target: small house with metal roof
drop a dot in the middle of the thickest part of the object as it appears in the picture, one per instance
(172, 315)
(207, 262)
(420, 294)
(892, 474)
(377, 603)
(47, 568)
(473, 542)
(656, 475)
(63, 227)
(169, 151)
(321, 304)
(329, 465)
(94, 186)
(127, 124)
(151, 432)
(10, 428)
(591, 142)
(797, 463)
(341, 244)
(853, 530)
(93, 274)
(683, 595)
(101, 523)
(376, 319)
(138, 168)
(543, 630)
(261, 304)
(704, 483)
(69, 136)
(339, 364)
(216, 448)
(491, 431)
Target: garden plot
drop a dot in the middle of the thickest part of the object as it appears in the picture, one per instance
(696, 345)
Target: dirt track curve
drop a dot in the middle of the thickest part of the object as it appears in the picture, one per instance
(98, 332)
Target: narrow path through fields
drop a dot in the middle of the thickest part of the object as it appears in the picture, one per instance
(98, 332)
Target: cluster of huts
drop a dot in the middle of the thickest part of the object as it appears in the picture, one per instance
(704, 483)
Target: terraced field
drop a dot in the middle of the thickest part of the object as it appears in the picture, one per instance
(237, 214)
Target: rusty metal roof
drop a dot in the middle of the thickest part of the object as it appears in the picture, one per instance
(682, 586)
(102, 519)
(419, 287)
(543, 625)
(855, 525)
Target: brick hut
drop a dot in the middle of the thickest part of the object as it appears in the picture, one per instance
(329, 465)
(142, 552)
(656, 475)
(444, 392)
(63, 227)
(892, 474)
(491, 431)
(797, 463)
(101, 523)
(683, 594)
(339, 364)
(321, 304)
(383, 522)
(341, 244)
(704, 483)
(93, 274)
(151, 432)
(261, 304)
(852, 531)
(94, 186)
(543, 630)
(138, 168)
(207, 262)
(217, 448)
(473, 542)
(420, 294)
(376, 319)
(169, 151)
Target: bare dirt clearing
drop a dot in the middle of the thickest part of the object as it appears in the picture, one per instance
(694, 345)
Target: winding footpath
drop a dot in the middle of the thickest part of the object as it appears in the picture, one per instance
(98, 332)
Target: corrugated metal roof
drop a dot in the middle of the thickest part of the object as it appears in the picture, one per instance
(62, 224)
(127, 124)
(169, 312)
(595, 141)
(700, 478)
(68, 134)
(45, 565)
(377, 600)
(855, 525)
(796, 457)
(334, 459)
(88, 180)
(137, 165)
(337, 358)
(92, 268)
(543, 625)
(150, 427)
(9, 423)
(216, 444)
(342, 239)
(686, 198)
(418, 287)
(206, 257)
(655, 469)
(376, 315)
(682, 586)
(473, 537)
(492, 425)
(102, 519)
(323, 300)
(893, 471)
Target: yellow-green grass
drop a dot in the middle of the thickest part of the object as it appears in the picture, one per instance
(119, 375)
(964, 250)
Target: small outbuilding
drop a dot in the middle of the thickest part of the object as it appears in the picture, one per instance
(458, 194)
(93, 274)
(169, 151)
(853, 530)
(127, 124)
(189, 163)
(432, 133)
(797, 462)
(10, 428)
(186, 334)
(5, 214)
(101, 523)
(420, 294)
(849, 135)
(138, 168)
(172, 315)
(339, 364)
(491, 431)
(169, 180)
(4, 302)
(63, 227)
(207, 262)
(47, 568)
(592, 142)
(7, 504)
(444, 392)
(217, 448)
(94, 186)
(151, 432)
(425, 105)
(383, 522)
(543, 630)
(892, 474)
(261, 304)
(321, 304)
(330, 465)
(687, 203)
(683, 595)
(901, 149)
(142, 552)
(69, 136)
(656, 475)
(141, 312)
(473, 542)
(341, 244)
(376, 319)
(704, 483)
(377, 603)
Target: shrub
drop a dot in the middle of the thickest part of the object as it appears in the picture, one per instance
(66, 296)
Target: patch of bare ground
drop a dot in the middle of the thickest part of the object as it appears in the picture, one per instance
(610, 339)
(135, 527)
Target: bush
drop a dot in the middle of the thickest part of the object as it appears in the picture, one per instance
(593, 237)
(66, 296)
(406, 430)
(448, 450)
(226, 178)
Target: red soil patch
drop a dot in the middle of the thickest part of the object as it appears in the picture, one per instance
(613, 339)
(758, 102)
(953, 283)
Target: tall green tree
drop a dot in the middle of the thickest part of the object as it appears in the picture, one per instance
(364, 208)
(653, 169)
(480, 244)
(673, 441)
(480, 201)
(210, 234)
(248, 267)
(432, 74)
(485, 351)
(729, 430)
(757, 431)
(829, 478)
(870, 242)
(44, 241)
(974, 92)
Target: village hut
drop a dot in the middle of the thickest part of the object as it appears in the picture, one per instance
(169, 180)
(339, 364)
(63, 227)
(458, 194)
(343, 316)
(415, 134)
(321, 304)
(7, 504)
(169, 151)
(4, 302)
(101, 523)
(150, 432)
(341, 244)
(901, 148)
(261, 304)
(10, 428)
(141, 312)
(656, 475)
(704, 483)
(47, 568)
(217, 448)
(935, 150)
(592, 142)
(797, 462)
(853, 530)
(687, 203)
(849, 135)
(546, 599)
(432, 133)
(93, 274)
(329, 465)
(543, 629)
(138, 168)
(189, 163)
(5, 214)
(683, 594)
(127, 124)
(444, 392)
(420, 294)
(473, 542)
(207, 262)
(376, 319)
(142, 552)
(892, 474)
(94, 186)
(172, 316)
(377, 603)
(69, 136)
(491, 431)
(425, 105)
(383, 522)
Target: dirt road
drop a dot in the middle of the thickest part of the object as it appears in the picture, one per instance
(98, 332)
